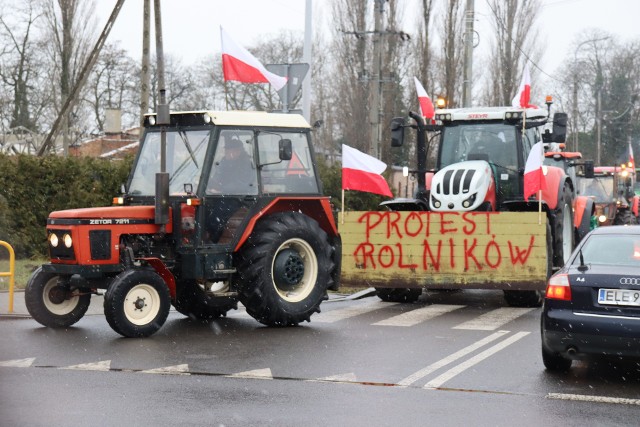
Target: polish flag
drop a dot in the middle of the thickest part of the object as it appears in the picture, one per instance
(361, 172)
(240, 65)
(426, 106)
(533, 175)
(632, 162)
(523, 97)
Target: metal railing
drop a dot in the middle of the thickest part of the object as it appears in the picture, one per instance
(11, 273)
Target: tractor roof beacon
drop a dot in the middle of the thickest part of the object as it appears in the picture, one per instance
(239, 215)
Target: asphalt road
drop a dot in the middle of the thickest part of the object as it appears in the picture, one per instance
(450, 359)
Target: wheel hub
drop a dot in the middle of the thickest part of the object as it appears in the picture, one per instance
(288, 269)
(139, 304)
(57, 294)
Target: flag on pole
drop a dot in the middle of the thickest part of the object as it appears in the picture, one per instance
(533, 175)
(362, 172)
(426, 106)
(240, 65)
(523, 97)
(632, 162)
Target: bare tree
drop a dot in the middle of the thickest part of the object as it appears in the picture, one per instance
(515, 43)
(18, 57)
(452, 51)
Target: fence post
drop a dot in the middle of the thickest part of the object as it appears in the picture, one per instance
(11, 273)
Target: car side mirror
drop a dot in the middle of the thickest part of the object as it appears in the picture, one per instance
(285, 149)
(397, 132)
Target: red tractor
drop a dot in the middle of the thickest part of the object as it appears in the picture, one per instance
(220, 208)
(612, 190)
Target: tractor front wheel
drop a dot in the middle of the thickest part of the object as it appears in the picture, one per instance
(285, 269)
(52, 303)
(137, 303)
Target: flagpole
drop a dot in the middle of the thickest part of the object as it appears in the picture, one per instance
(226, 96)
(342, 220)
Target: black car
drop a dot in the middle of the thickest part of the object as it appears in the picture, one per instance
(592, 304)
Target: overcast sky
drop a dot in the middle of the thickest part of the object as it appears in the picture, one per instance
(191, 27)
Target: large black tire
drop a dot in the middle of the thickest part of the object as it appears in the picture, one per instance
(555, 362)
(137, 303)
(624, 217)
(52, 304)
(532, 298)
(285, 269)
(398, 294)
(192, 301)
(562, 227)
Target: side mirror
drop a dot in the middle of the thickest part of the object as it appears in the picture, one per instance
(285, 149)
(397, 132)
(559, 127)
(588, 169)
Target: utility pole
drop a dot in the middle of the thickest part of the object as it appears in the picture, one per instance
(376, 93)
(306, 58)
(146, 71)
(468, 55)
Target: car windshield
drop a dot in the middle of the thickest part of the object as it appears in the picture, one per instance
(185, 158)
(611, 249)
(480, 141)
(600, 188)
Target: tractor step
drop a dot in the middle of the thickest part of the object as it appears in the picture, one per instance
(223, 294)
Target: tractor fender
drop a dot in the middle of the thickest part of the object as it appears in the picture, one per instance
(317, 208)
(583, 210)
(634, 205)
(555, 179)
(163, 272)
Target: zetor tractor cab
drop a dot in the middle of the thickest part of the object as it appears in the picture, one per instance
(220, 207)
(612, 190)
(479, 166)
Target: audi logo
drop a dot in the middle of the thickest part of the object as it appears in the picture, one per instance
(630, 281)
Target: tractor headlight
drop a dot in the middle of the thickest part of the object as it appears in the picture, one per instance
(602, 218)
(53, 240)
(66, 239)
(469, 201)
(435, 202)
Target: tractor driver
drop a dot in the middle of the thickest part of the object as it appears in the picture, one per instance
(233, 171)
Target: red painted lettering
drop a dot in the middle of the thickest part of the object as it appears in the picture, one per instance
(470, 227)
(364, 252)
(520, 256)
(391, 257)
(492, 245)
(413, 222)
(468, 254)
(434, 262)
(443, 223)
(401, 263)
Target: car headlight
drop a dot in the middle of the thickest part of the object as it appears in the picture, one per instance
(435, 202)
(53, 240)
(469, 201)
(66, 239)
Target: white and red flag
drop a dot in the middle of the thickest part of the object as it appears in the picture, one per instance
(362, 172)
(426, 106)
(533, 174)
(523, 97)
(632, 162)
(240, 65)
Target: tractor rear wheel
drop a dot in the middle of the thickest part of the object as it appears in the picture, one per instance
(137, 303)
(398, 294)
(624, 217)
(193, 301)
(53, 304)
(562, 227)
(285, 269)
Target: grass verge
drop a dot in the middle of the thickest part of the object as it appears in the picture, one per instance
(23, 270)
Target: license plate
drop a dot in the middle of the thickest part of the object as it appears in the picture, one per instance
(619, 297)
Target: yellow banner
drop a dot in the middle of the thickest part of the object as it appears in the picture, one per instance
(485, 250)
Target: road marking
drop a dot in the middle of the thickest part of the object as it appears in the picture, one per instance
(18, 363)
(264, 374)
(437, 382)
(104, 365)
(182, 369)
(452, 358)
(348, 377)
(351, 311)
(413, 317)
(596, 399)
(494, 319)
